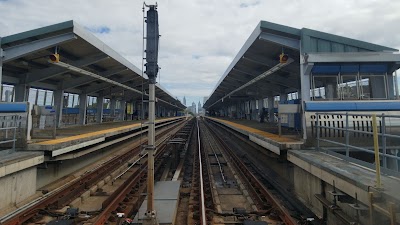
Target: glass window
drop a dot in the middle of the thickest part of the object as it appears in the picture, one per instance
(348, 87)
(265, 100)
(49, 97)
(8, 93)
(330, 86)
(373, 87)
(32, 95)
(70, 100)
(106, 103)
(40, 97)
(117, 104)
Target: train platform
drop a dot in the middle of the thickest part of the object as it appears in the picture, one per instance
(16, 161)
(74, 138)
(264, 134)
(348, 177)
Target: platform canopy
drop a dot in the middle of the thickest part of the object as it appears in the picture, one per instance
(256, 73)
(26, 62)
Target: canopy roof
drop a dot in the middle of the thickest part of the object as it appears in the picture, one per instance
(260, 54)
(26, 62)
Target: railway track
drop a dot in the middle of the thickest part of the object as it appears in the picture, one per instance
(220, 185)
(62, 196)
(274, 191)
(231, 197)
(238, 191)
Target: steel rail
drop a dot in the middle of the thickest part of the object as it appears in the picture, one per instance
(203, 208)
(254, 182)
(216, 156)
(112, 202)
(62, 196)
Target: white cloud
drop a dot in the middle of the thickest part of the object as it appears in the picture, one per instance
(201, 37)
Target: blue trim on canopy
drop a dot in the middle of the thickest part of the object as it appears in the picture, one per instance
(349, 68)
(89, 111)
(13, 107)
(70, 111)
(377, 68)
(325, 69)
(351, 106)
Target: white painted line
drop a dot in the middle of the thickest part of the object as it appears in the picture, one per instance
(265, 144)
(76, 147)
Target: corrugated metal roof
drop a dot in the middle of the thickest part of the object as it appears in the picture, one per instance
(261, 52)
(37, 32)
(86, 50)
(317, 41)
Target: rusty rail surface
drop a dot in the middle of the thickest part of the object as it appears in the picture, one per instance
(69, 192)
(258, 190)
(111, 204)
(113, 201)
(202, 198)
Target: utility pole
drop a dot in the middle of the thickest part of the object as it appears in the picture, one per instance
(152, 40)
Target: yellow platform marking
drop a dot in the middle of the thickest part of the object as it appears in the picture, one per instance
(256, 131)
(91, 134)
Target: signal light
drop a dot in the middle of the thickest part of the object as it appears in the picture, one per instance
(55, 57)
(283, 58)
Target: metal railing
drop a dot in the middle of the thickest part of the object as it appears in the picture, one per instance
(370, 131)
(44, 126)
(8, 132)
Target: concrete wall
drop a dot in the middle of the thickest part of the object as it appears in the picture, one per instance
(59, 169)
(17, 187)
(306, 185)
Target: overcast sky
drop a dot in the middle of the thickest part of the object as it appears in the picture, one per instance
(200, 38)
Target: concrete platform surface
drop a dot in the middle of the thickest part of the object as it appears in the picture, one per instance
(72, 138)
(16, 161)
(260, 133)
(166, 198)
(349, 177)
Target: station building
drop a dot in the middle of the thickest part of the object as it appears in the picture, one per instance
(327, 106)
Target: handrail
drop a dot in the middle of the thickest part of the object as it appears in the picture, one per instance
(374, 131)
(10, 126)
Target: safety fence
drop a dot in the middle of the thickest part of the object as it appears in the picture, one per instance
(9, 125)
(367, 139)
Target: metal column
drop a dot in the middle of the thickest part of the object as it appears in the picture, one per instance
(82, 108)
(21, 93)
(122, 110)
(100, 107)
(113, 103)
(151, 144)
(1, 70)
(58, 103)
(305, 70)
(152, 38)
(271, 118)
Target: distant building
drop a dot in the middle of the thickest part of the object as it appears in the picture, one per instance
(189, 109)
(184, 101)
(194, 111)
(199, 108)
